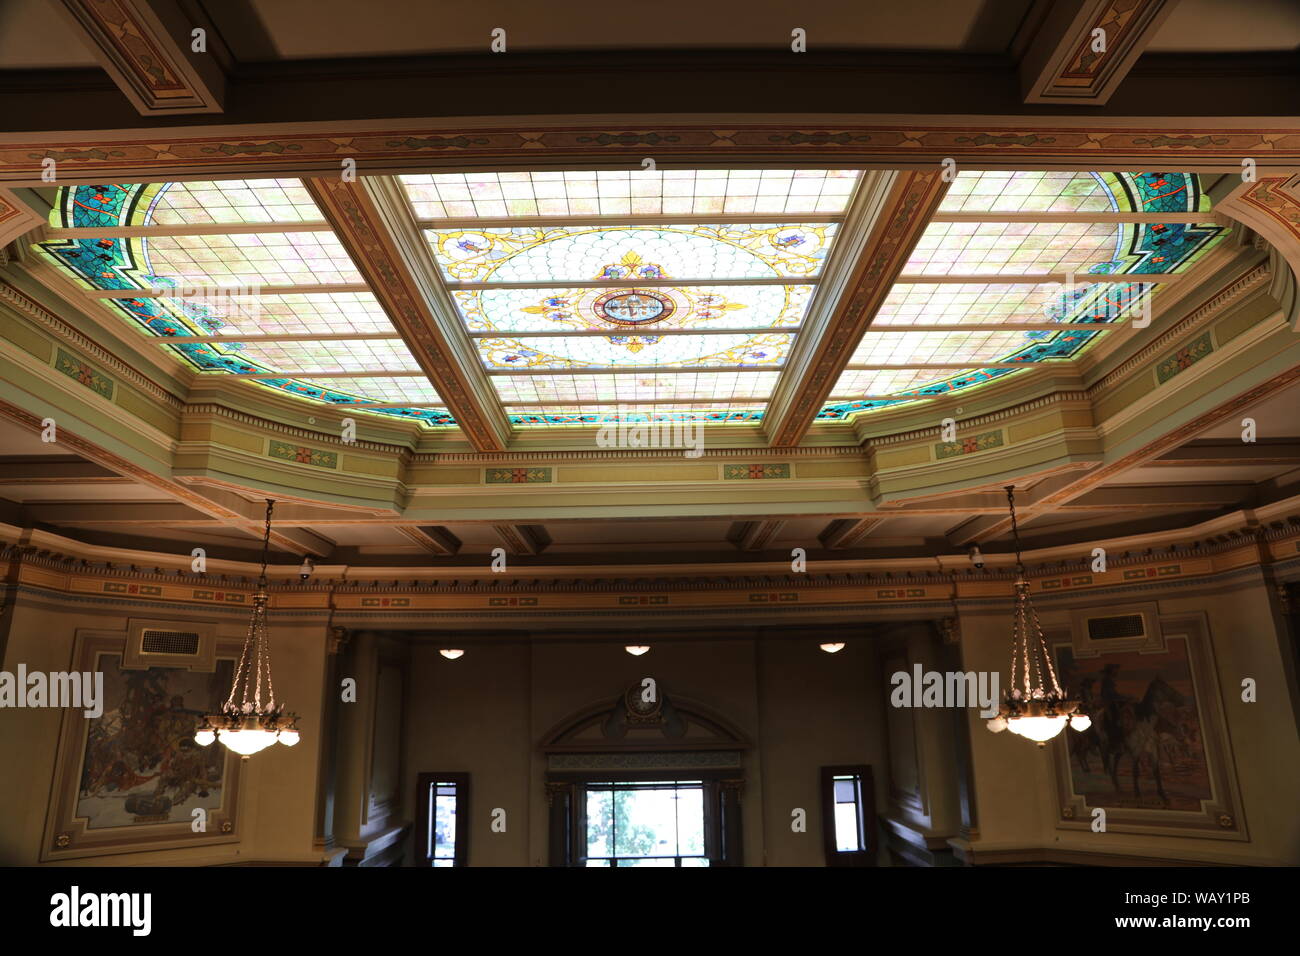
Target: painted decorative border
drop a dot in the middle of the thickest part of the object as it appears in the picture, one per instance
(754, 472)
(87, 375)
(517, 476)
(284, 451)
(981, 442)
(1183, 359)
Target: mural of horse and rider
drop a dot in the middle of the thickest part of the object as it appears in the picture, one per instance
(1145, 747)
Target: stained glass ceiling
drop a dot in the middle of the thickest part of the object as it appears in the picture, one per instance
(673, 294)
(662, 295)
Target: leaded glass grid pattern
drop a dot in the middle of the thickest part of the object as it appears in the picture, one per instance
(595, 296)
(194, 280)
(1052, 320)
(572, 318)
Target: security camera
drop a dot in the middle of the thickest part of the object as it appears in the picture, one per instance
(976, 558)
(304, 572)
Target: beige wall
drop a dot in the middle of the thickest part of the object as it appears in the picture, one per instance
(277, 804)
(486, 713)
(1015, 784)
(801, 709)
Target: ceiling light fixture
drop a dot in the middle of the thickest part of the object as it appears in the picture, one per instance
(1036, 706)
(451, 653)
(306, 568)
(636, 650)
(831, 648)
(251, 720)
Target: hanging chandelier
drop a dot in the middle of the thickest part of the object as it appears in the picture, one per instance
(1035, 706)
(251, 720)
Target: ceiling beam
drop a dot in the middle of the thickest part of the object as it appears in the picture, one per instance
(432, 538)
(1233, 453)
(143, 513)
(754, 535)
(886, 218)
(1067, 61)
(146, 46)
(379, 110)
(521, 539)
(373, 220)
(1139, 497)
(847, 532)
(42, 469)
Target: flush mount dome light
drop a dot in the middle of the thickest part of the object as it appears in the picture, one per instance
(451, 653)
(636, 650)
(833, 648)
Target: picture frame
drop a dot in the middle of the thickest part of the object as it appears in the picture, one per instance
(1155, 699)
(129, 780)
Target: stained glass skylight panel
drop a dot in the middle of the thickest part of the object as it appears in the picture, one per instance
(234, 201)
(307, 357)
(631, 192)
(855, 383)
(703, 307)
(1027, 191)
(652, 294)
(557, 254)
(416, 391)
(994, 303)
(638, 350)
(1016, 248)
(328, 313)
(270, 258)
(986, 241)
(222, 277)
(923, 348)
(642, 386)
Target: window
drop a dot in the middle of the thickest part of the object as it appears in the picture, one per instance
(442, 824)
(654, 823)
(849, 816)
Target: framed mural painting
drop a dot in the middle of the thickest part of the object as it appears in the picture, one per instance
(130, 779)
(1156, 758)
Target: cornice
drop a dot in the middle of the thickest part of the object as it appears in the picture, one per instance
(78, 340)
(986, 418)
(269, 426)
(60, 555)
(633, 454)
(1209, 308)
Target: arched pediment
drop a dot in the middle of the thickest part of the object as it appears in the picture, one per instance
(630, 722)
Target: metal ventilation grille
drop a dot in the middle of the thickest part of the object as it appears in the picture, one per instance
(1106, 628)
(169, 642)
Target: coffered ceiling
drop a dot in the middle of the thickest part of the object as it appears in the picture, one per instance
(876, 325)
